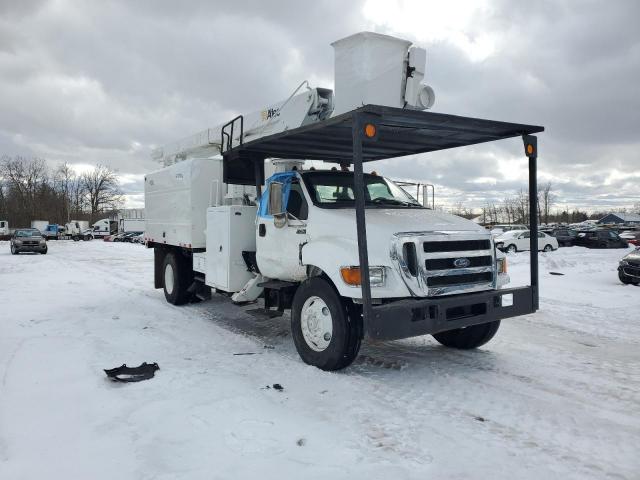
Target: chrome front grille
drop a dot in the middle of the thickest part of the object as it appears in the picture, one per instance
(445, 263)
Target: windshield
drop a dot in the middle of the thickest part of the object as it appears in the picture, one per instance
(335, 190)
(28, 233)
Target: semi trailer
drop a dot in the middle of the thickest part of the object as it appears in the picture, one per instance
(239, 210)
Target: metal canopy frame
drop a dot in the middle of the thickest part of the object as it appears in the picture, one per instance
(397, 133)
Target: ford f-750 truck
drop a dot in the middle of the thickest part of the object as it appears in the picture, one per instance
(351, 254)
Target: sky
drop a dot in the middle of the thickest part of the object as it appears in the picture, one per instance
(107, 81)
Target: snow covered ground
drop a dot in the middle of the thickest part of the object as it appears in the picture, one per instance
(554, 395)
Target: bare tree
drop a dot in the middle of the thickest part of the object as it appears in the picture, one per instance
(101, 189)
(546, 201)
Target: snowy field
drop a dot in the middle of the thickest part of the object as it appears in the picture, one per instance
(555, 395)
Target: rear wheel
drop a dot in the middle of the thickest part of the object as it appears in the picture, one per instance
(326, 333)
(469, 337)
(176, 279)
(547, 248)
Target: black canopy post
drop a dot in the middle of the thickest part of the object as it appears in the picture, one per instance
(259, 173)
(531, 150)
(361, 228)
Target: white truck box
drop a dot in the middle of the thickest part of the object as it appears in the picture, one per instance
(231, 229)
(39, 224)
(176, 200)
(131, 225)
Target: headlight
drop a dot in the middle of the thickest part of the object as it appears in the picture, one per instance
(624, 263)
(42, 241)
(351, 276)
(17, 242)
(502, 265)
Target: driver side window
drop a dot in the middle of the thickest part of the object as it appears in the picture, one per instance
(297, 204)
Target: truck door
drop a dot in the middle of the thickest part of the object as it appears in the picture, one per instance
(282, 228)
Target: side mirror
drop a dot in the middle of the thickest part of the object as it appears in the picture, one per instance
(276, 209)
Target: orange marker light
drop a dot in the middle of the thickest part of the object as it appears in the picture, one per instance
(529, 149)
(370, 130)
(351, 275)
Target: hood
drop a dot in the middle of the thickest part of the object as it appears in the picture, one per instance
(387, 222)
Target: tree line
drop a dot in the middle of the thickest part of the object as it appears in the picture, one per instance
(32, 190)
(515, 209)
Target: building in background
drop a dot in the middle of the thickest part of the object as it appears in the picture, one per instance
(620, 218)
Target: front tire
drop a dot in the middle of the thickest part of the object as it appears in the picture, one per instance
(44, 252)
(14, 250)
(469, 337)
(326, 333)
(176, 279)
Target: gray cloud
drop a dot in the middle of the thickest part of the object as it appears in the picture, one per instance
(105, 82)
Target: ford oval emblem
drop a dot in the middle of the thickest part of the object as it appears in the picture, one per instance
(461, 262)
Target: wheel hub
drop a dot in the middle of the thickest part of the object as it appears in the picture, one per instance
(168, 278)
(316, 323)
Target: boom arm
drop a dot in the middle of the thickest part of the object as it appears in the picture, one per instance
(299, 109)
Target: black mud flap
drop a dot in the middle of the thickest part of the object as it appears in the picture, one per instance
(132, 374)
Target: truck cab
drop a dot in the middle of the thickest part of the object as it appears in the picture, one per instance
(305, 224)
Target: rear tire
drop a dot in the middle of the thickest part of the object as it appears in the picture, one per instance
(469, 337)
(547, 248)
(331, 348)
(176, 279)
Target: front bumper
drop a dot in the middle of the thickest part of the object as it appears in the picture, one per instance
(630, 271)
(424, 316)
(30, 248)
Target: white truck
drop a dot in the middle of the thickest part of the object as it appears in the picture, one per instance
(5, 233)
(104, 227)
(352, 255)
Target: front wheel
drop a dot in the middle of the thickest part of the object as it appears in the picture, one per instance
(326, 333)
(44, 252)
(468, 337)
(512, 248)
(14, 250)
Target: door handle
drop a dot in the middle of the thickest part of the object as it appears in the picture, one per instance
(262, 230)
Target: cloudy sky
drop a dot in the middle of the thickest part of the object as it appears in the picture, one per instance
(106, 81)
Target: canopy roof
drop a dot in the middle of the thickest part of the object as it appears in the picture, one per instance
(400, 132)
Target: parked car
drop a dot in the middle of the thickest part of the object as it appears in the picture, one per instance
(87, 234)
(629, 268)
(602, 238)
(118, 237)
(498, 229)
(28, 240)
(632, 237)
(565, 236)
(138, 238)
(129, 236)
(518, 240)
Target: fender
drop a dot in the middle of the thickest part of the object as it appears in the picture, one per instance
(331, 253)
